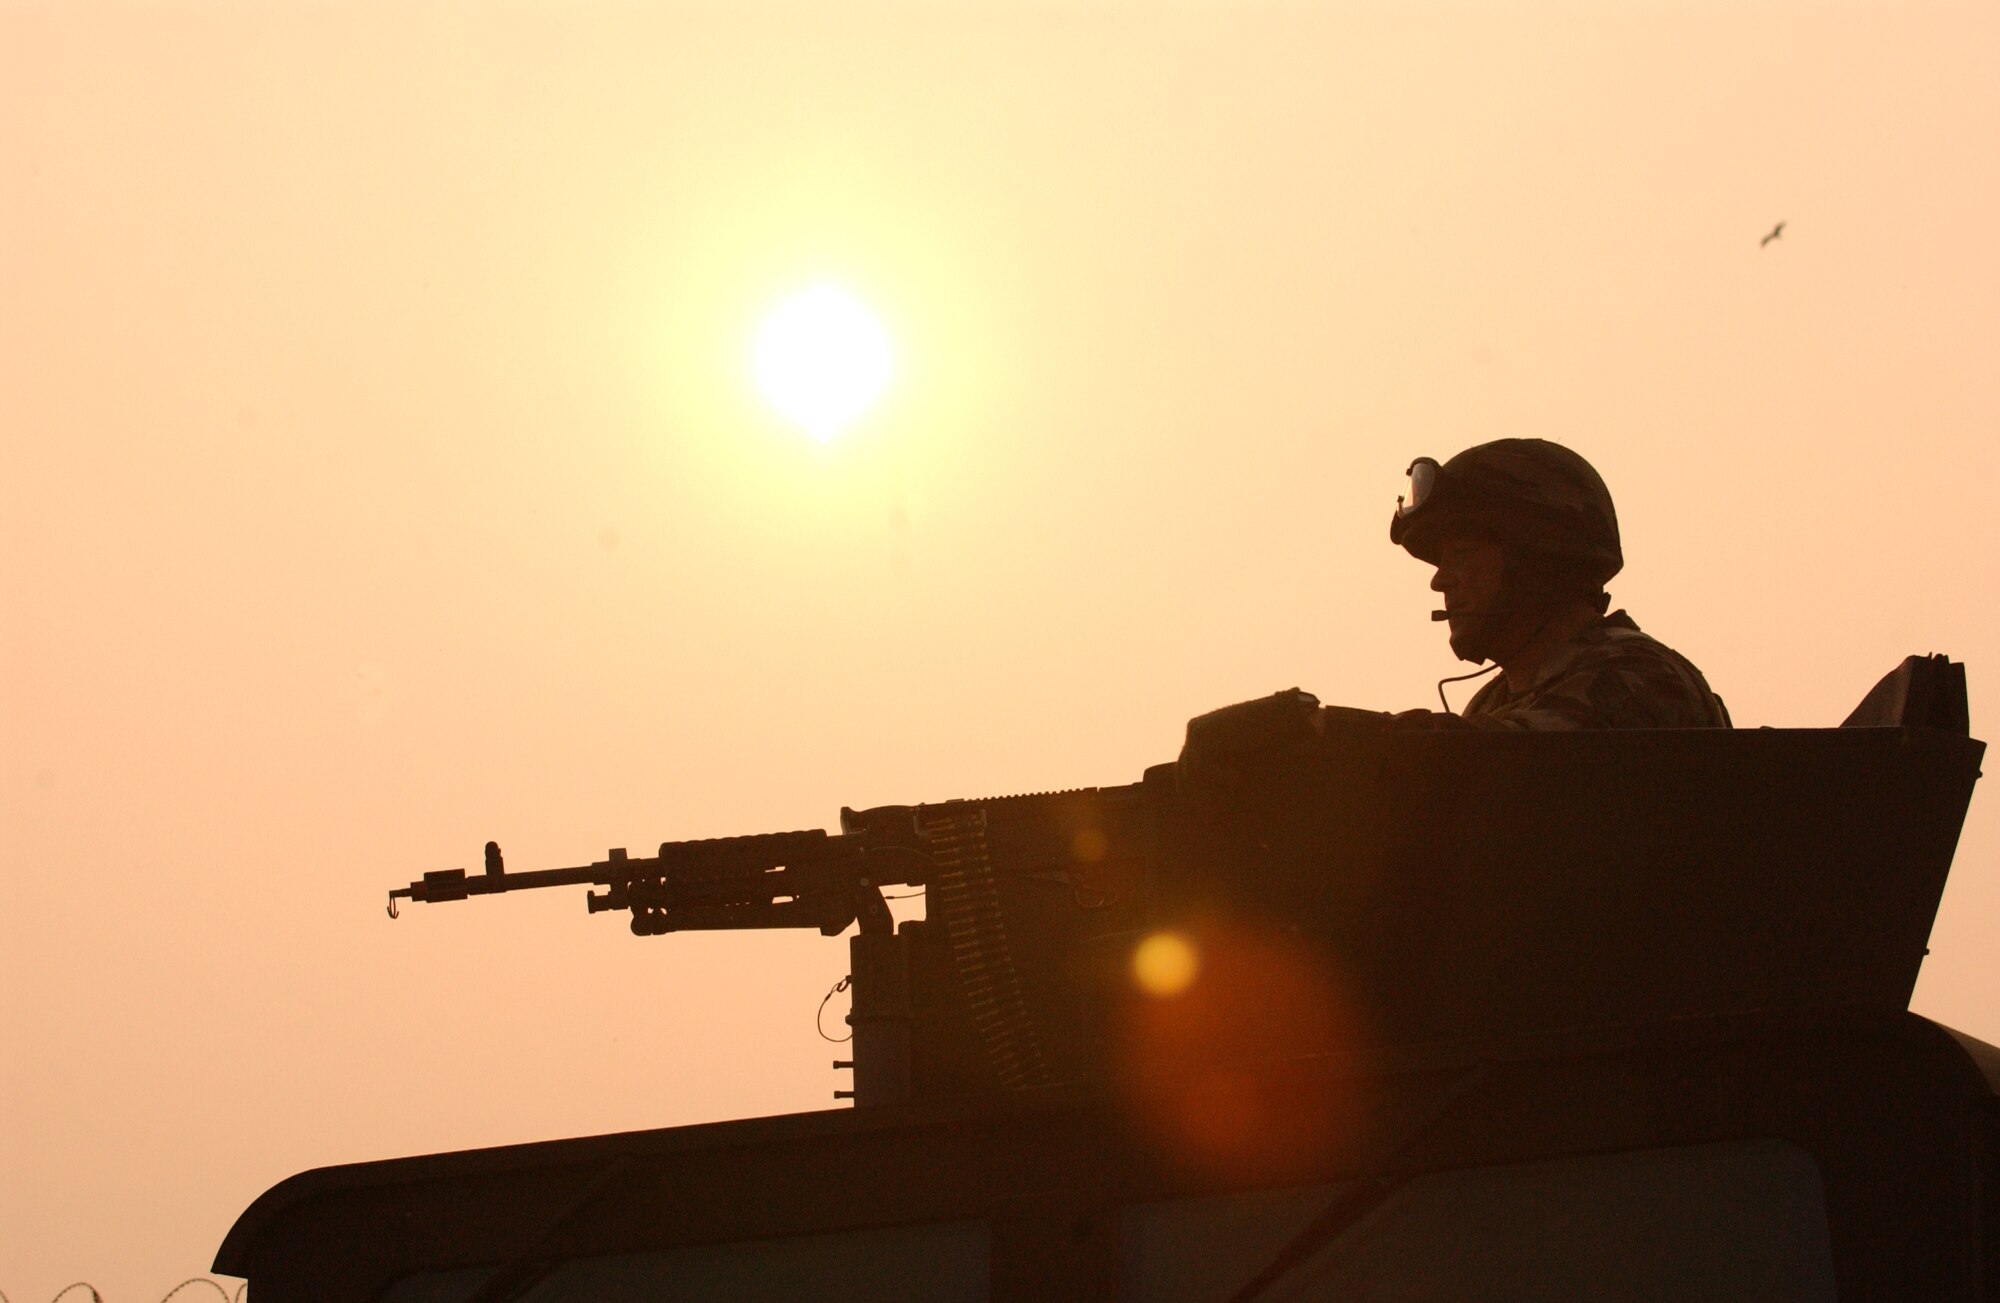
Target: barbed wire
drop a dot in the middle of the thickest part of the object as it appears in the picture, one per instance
(96, 1297)
(212, 1284)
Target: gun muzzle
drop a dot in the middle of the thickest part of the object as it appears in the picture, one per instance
(444, 884)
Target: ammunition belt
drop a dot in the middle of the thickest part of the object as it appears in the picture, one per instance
(965, 897)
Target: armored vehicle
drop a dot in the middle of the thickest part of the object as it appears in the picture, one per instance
(1384, 1015)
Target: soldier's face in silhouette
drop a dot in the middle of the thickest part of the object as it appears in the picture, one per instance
(1471, 573)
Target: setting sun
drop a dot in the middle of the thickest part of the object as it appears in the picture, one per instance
(822, 359)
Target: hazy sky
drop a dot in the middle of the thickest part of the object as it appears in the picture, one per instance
(380, 472)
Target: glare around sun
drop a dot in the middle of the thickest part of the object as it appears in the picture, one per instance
(822, 359)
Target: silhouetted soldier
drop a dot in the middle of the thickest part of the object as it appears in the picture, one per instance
(1524, 538)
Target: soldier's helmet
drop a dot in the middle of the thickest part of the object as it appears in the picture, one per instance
(1544, 503)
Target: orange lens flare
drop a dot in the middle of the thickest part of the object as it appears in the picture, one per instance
(1165, 964)
(1210, 1012)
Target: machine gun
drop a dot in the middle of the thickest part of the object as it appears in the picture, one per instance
(768, 880)
(1086, 850)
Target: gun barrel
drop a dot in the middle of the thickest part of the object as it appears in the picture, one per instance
(456, 884)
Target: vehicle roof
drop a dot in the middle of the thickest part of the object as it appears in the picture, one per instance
(1605, 1090)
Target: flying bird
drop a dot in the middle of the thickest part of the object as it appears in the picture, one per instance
(1776, 231)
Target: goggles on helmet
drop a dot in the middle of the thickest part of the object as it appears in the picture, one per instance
(1423, 475)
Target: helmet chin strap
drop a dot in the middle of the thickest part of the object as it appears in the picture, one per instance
(1529, 641)
(1511, 601)
(1495, 613)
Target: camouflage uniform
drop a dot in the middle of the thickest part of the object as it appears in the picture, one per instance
(1609, 676)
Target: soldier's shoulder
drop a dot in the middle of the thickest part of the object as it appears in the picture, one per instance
(1620, 660)
(1614, 675)
(1617, 637)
